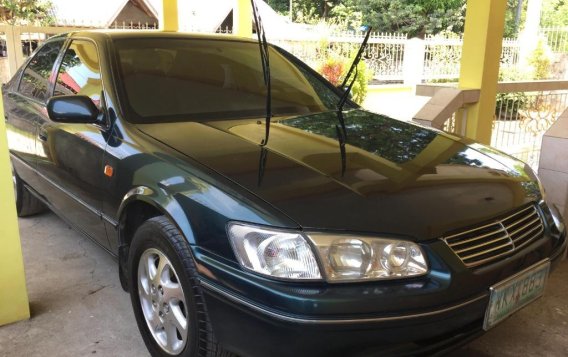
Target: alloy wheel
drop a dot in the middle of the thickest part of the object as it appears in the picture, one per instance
(163, 301)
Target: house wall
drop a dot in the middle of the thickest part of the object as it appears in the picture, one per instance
(553, 167)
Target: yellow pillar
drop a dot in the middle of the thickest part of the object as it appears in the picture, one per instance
(242, 18)
(13, 295)
(169, 16)
(481, 54)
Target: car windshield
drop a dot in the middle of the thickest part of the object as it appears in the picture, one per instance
(202, 79)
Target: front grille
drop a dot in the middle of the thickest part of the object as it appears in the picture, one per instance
(483, 244)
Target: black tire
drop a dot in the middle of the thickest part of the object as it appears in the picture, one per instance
(161, 234)
(26, 203)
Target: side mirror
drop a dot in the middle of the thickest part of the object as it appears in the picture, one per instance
(74, 109)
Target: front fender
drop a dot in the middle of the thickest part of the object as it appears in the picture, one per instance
(201, 210)
(168, 206)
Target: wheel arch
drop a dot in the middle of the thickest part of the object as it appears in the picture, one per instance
(138, 205)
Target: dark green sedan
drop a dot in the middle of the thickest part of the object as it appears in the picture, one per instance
(318, 232)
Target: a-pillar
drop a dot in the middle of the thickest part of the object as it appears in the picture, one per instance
(13, 294)
(481, 55)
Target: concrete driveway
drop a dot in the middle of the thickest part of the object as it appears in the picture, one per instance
(79, 309)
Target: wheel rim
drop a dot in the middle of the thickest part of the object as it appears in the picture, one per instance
(163, 301)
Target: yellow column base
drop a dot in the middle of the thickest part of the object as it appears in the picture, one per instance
(14, 304)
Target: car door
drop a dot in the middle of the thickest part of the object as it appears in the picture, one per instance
(72, 162)
(24, 102)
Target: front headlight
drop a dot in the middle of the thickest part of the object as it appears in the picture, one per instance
(276, 253)
(347, 258)
(289, 255)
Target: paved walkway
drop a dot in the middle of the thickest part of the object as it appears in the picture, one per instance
(397, 105)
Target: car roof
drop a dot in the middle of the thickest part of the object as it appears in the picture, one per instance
(136, 34)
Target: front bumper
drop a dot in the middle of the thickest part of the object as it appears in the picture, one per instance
(250, 332)
(250, 327)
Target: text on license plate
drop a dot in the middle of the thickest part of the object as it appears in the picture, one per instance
(515, 293)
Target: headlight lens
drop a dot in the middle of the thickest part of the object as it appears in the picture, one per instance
(274, 253)
(289, 255)
(361, 258)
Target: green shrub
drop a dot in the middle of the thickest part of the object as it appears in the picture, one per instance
(511, 103)
(540, 61)
(334, 69)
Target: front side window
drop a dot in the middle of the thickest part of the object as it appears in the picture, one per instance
(167, 79)
(35, 79)
(80, 72)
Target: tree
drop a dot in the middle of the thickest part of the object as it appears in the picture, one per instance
(23, 12)
(415, 17)
(308, 11)
(516, 9)
(554, 13)
(281, 6)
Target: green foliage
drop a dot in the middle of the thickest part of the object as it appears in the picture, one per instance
(540, 61)
(361, 85)
(23, 12)
(508, 104)
(347, 17)
(307, 11)
(512, 103)
(554, 13)
(415, 17)
(281, 6)
(334, 69)
(512, 27)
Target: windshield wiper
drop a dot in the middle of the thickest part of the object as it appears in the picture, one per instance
(348, 79)
(342, 138)
(263, 45)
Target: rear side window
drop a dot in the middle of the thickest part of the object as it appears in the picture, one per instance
(35, 79)
(80, 72)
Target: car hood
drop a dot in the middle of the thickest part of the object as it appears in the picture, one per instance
(391, 177)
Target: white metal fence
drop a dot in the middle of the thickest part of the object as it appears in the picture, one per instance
(437, 57)
(556, 38)
(524, 112)
(391, 57)
(384, 55)
(522, 118)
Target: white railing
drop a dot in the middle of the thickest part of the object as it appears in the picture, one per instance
(556, 38)
(524, 112)
(435, 57)
(390, 57)
(384, 55)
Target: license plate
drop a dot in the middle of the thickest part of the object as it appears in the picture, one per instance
(515, 293)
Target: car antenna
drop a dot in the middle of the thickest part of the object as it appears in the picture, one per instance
(263, 46)
(347, 87)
